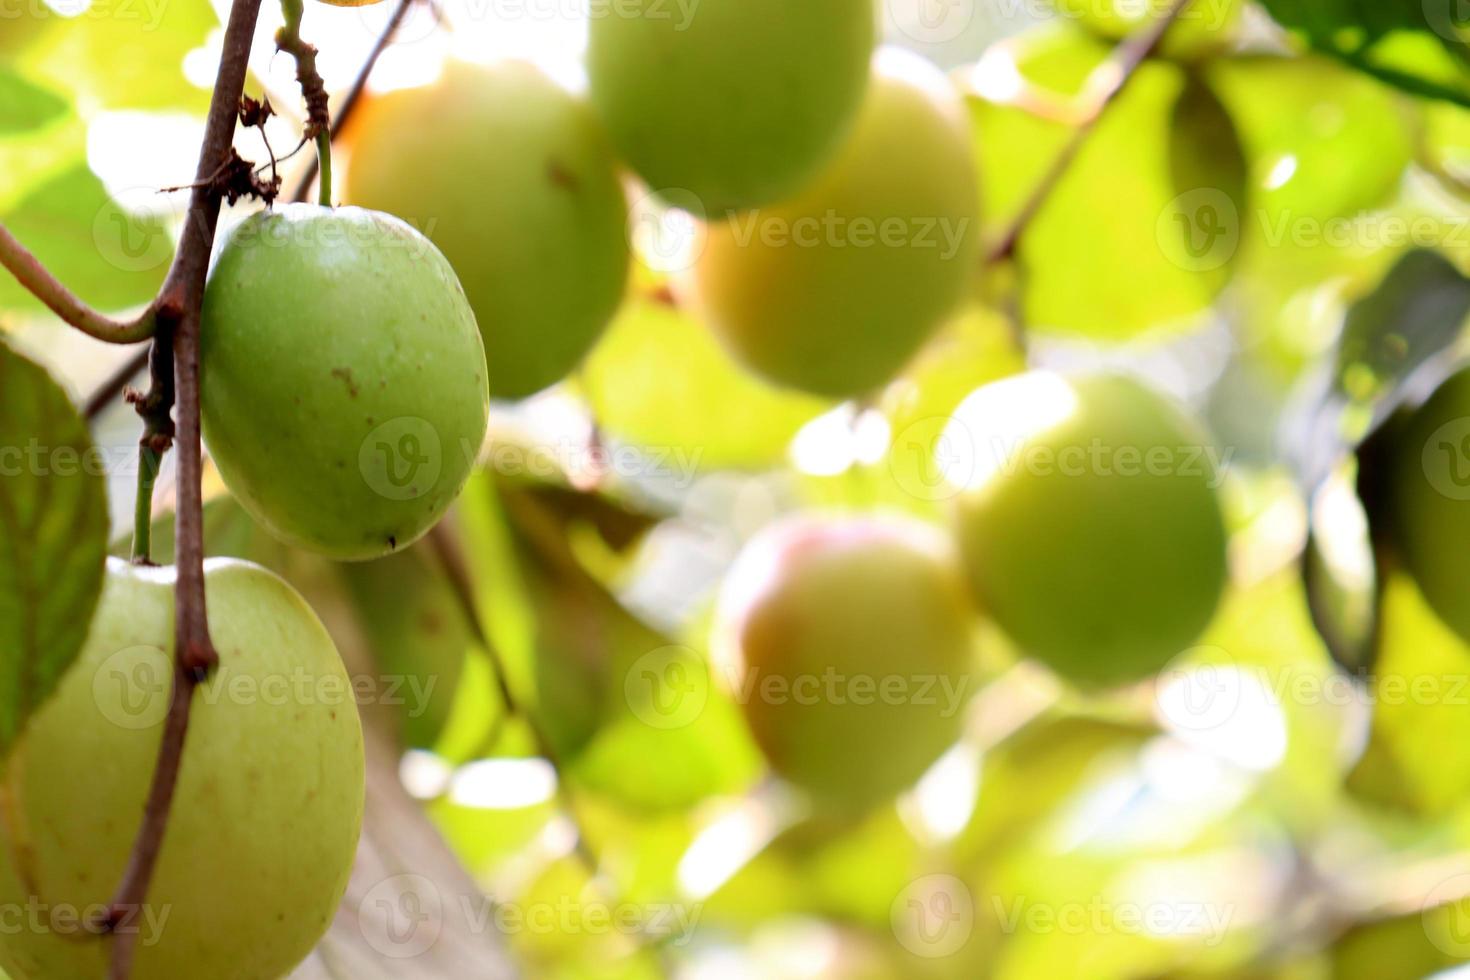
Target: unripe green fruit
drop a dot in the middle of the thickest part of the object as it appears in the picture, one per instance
(1429, 499)
(737, 102)
(343, 389)
(263, 829)
(1089, 525)
(848, 649)
(835, 290)
(515, 180)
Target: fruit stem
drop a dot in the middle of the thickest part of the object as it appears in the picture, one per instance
(324, 166)
(178, 312)
(313, 90)
(354, 94)
(37, 280)
(149, 461)
(1102, 88)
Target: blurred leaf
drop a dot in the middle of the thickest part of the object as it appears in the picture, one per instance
(123, 55)
(418, 634)
(1414, 945)
(1417, 46)
(25, 105)
(660, 380)
(1210, 179)
(53, 538)
(1412, 319)
(1107, 266)
(1418, 754)
(1321, 141)
(107, 256)
(1203, 27)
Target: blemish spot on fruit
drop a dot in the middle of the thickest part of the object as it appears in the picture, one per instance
(561, 176)
(345, 376)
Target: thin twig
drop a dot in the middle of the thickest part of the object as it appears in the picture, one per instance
(179, 310)
(1104, 85)
(451, 559)
(37, 280)
(354, 94)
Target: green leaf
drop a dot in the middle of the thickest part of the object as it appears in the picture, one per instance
(25, 106)
(656, 357)
(123, 54)
(1418, 755)
(108, 256)
(1107, 266)
(1411, 320)
(53, 538)
(1418, 47)
(1210, 174)
(418, 635)
(1414, 316)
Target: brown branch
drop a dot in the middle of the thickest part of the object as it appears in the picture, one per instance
(354, 94)
(1104, 85)
(30, 273)
(178, 310)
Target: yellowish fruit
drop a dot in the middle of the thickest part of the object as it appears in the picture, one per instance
(736, 102)
(833, 291)
(847, 646)
(1089, 523)
(266, 814)
(515, 180)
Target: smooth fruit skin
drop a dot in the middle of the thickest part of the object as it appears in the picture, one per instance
(515, 180)
(834, 291)
(343, 388)
(737, 102)
(1095, 539)
(872, 605)
(265, 818)
(1429, 499)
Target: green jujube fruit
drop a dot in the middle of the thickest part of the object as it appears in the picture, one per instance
(738, 103)
(835, 290)
(265, 818)
(847, 645)
(343, 383)
(1088, 521)
(515, 180)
